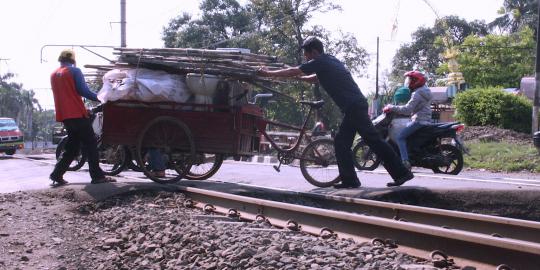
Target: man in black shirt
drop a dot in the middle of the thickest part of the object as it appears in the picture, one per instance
(340, 86)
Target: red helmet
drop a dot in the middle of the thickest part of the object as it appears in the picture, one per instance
(414, 80)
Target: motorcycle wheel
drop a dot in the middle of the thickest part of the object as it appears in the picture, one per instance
(77, 162)
(452, 154)
(363, 158)
(112, 159)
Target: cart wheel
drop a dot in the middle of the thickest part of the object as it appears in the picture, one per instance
(318, 163)
(204, 166)
(112, 158)
(77, 162)
(172, 138)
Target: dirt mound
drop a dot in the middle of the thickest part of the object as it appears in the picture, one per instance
(494, 134)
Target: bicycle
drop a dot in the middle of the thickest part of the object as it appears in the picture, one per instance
(317, 160)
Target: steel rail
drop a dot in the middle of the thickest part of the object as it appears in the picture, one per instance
(466, 248)
(491, 225)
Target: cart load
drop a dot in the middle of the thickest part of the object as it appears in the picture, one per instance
(182, 75)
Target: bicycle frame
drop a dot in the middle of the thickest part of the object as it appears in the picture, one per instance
(262, 124)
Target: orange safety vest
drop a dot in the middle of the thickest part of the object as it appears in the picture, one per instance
(67, 101)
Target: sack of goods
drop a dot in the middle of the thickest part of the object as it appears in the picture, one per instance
(144, 85)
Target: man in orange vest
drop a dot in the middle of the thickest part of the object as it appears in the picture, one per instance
(68, 86)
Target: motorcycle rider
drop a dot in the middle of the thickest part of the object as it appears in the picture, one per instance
(419, 106)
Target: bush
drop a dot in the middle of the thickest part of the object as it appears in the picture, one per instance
(493, 106)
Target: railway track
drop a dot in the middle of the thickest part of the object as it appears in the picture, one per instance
(466, 240)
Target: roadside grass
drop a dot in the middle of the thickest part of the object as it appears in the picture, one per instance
(503, 157)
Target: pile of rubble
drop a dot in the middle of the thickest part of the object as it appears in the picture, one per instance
(495, 134)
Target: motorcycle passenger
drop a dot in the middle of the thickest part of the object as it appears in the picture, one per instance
(402, 96)
(419, 106)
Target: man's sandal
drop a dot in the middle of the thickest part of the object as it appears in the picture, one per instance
(56, 182)
(103, 180)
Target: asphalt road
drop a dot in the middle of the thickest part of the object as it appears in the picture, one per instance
(30, 172)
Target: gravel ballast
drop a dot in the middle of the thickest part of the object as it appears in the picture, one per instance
(153, 230)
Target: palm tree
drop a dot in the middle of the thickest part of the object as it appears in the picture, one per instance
(516, 14)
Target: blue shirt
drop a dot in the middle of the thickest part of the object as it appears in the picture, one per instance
(335, 79)
(80, 83)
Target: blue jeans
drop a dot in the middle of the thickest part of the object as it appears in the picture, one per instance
(155, 160)
(402, 138)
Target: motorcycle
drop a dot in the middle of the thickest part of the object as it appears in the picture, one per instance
(437, 146)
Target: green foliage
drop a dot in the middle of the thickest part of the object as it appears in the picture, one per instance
(269, 27)
(427, 46)
(515, 15)
(497, 59)
(503, 157)
(492, 106)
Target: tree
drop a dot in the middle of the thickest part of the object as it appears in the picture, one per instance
(268, 27)
(516, 14)
(498, 60)
(427, 46)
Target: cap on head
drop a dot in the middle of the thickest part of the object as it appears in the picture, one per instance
(67, 56)
(313, 43)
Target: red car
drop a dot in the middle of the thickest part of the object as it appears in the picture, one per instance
(11, 138)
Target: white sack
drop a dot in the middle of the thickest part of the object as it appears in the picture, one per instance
(150, 86)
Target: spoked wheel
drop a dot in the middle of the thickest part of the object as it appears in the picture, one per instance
(112, 158)
(364, 158)
(77, 162)
(453, 160)
(204, 166)
(172, 139)
(318, 163)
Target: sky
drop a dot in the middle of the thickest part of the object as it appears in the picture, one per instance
(32, 30)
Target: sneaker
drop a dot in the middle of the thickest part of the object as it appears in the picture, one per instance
(56, 182)
(103, 180)
(347, 185)
(401, 180)
(407, 164)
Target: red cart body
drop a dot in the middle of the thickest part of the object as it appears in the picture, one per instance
(215, 129)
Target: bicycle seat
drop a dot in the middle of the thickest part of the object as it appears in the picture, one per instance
(314, 104)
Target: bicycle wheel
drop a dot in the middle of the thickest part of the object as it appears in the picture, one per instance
(318, 163)
(364, 158)
(172, 139)
(131, 159)
(77, 162)
(453, 160)
(205, 166)
(112, 159)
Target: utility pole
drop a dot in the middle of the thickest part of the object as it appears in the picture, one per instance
(123, 23)
(3, 59)
(536, 103)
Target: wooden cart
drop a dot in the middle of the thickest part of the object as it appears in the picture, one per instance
(181, 131)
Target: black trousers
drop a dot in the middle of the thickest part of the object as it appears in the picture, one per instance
(80, 134)
(356, 119)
